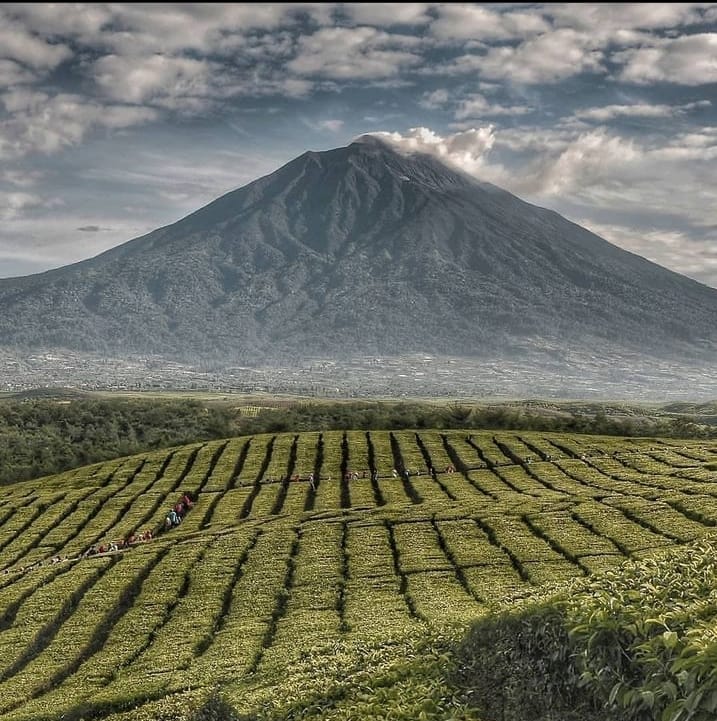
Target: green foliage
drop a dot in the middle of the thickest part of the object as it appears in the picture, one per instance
(518, 666)
(646, 636)
(637, 644)
(397, 416)
(275, 600)
(216, 708)
(401, 677)
(40, 437)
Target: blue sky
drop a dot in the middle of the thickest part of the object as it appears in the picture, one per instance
(117, 119)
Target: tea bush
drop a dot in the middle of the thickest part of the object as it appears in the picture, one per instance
(638, 643)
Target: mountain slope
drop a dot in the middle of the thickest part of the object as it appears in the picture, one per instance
(362, 249)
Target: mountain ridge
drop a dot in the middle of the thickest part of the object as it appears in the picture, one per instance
(362, 249)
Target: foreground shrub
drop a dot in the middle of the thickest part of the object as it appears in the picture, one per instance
(520, 666)
(216, 708)
(637, 644)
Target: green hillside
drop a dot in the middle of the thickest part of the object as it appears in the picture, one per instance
(340, 599)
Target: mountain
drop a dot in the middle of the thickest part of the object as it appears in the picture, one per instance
(363, 249)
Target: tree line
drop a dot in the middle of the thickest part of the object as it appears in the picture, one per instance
(385, 415)
(43, 436)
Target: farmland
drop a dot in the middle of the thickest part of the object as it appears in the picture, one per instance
(278, 589)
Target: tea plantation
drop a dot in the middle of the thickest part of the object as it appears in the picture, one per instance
(317, 575)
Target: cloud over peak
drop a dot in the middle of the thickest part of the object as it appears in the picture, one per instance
(465, 150)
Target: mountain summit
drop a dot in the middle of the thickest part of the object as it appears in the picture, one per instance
(362, 249)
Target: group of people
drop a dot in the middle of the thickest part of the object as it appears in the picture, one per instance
(349, 475)
(178, 511)
(33, 566)
(407, 472)
(119, 545)
(94, 550)
(174, 518)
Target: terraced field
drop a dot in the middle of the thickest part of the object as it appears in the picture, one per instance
(399, 533)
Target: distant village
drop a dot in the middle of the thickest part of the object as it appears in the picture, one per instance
(416, 376)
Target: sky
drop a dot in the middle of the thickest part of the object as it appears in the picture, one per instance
(116, 119)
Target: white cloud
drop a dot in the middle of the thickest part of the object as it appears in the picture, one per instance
(674, 249)
(611, 18)
(559, 41)
(248, 50)
(187, 85)
(593, 164)
(158, 79)
(465, 150)
(462, 65)
(697, 145)
(238, 33)
(83, 22)
(144, 28)
(700, 137)
(19, 177)
(16, 43)
(331, 125)
(537, 139)
(293, 87)
(387, 14)
(12, 73)
(434, 100)
(587, 173)
(359, 53)
(13, 204)
(476, 22)
(476, 106)
(686, 149)
(166, 28)
(561, 163)
(547, 58)
(608, 112)
(38, 122)
(687, 60)
(659, 182)
(586, 162)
